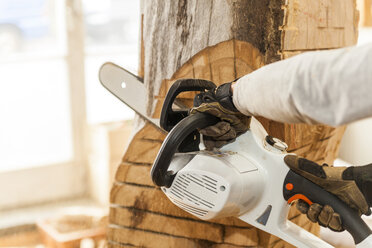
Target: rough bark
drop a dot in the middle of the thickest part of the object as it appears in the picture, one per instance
(219, 41)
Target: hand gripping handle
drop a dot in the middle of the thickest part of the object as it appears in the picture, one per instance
(298, 187)
(169, 117)
(159, 171)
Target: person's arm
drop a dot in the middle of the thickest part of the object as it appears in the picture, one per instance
(331, 87)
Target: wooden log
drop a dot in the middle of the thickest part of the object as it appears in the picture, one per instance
(152, 199)
(240, 236)
(219, 41)
(134, 173)
(366, 17)
(118, 235)
(142, 219)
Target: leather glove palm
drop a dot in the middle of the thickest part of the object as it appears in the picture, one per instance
(353, 185)
(218, 102)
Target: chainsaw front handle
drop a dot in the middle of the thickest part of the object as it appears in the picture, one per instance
(183, 135)
(169, 117)
(181, 132)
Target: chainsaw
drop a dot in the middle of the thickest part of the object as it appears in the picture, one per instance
(247, 179)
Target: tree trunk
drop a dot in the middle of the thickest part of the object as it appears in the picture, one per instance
(218, 41)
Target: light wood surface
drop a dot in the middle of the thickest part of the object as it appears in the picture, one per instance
(365, 8)
(219, 41)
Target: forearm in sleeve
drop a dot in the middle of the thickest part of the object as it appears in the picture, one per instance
(332, 87)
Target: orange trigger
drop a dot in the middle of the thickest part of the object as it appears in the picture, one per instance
(299, 196)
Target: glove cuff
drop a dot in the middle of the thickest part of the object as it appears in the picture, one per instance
(224, 97)
(362, 175)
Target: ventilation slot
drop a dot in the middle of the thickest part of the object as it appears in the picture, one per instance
(177, 194)
(190, 209)
(207, 204)
(203, 181)
(180, 190)
(210, 180)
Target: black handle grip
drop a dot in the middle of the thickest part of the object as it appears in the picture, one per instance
(351, 220)
(169, 118)
(159, 171)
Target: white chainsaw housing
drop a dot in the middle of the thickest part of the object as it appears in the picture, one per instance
(210, 186)
(243, 179)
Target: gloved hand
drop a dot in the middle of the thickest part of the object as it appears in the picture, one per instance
(353, 185)
(218, 102)
(324, 215)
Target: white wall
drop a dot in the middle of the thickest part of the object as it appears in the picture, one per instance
(356, 145)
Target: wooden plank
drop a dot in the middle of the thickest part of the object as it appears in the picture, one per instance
(221, 59)
(138, 174)
(201, 65)
(141, 238)
(319, 24)
(365, 7)
(243, 237)
(154, 200)
(142, 151)
(281, 244)
(165, 224)
(149, 132)
(187, 71)
(145, 198)
(20, 236)
(118, 245)
(247, 58)
(288, 54)
(299, 135)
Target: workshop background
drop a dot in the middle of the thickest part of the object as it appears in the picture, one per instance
(62, 135)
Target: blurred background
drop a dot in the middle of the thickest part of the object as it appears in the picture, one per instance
(62, 134)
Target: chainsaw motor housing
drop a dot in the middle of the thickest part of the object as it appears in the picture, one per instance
(211, 186)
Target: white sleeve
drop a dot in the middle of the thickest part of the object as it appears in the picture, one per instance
(332, 87)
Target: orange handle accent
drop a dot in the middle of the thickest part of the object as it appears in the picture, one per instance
(299, 196)
(289, 186)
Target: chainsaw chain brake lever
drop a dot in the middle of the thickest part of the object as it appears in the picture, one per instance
(183, 135)
(159, 171)
(169, 117)
(298, 187)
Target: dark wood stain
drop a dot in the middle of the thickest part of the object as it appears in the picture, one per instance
(258, 22)
(183, 21)
(204, 243)
(137, 214)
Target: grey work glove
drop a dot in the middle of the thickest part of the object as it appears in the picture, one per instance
(353, 185)
(218, 102)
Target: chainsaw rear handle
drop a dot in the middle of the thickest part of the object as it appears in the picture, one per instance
(169, 117)
(159, 171)
(298, 187)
